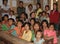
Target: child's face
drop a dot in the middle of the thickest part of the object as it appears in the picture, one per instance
(10, 22)
(5, 2)
(19, 24)
(23, 16)
(36, 27)
(46, 8)
(11, 13)
(21, 4)
(44, 24)
(5, 18)
(38, 35)
(44, 14)
(32, 22)
(33, 15)
(51, 27)
(26, 27)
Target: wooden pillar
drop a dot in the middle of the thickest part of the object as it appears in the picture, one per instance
(59, 5)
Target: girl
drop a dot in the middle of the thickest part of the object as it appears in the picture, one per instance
(38, 10)
(36, 27)
(39, 39)
(50, 35)
(44, 25)
(27, 34)
(47, 9)
(5, 19)
(9, 25)
(11, 14)
(43, 16)
(18, 29)
(32, 21)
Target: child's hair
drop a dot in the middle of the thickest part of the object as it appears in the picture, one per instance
(20, 21)
(30, 5)
(5, 16)
(47, 6)
(33, 19)
(12, 11)
(39, 5)
(11, 19)
(38, 25)
(24, 14)
(43, 22)
(27, 24)
(43, 12)
(31, 13)
(21, 2)
(4, 0)
(52, 24)
(40, 32)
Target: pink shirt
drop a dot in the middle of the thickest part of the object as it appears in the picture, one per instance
(51, 33)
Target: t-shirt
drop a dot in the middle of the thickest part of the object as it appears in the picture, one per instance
(33, 35)
(27, 35)
(39, 42)
(5, 7)
(51, 33)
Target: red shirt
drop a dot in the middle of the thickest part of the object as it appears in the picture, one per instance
(54, 17)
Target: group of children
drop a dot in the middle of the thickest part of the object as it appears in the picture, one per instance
(36, 26)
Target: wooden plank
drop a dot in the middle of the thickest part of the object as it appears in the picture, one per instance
(12, 39)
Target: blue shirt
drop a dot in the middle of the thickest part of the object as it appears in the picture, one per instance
(39, 42)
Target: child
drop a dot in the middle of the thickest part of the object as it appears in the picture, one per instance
(38, 10)
(11, 14)
(5, 19)
(32, 15)
(43, 16)
(50, 35)
(39, 39)
(9, 25)
(44, 25)
(32, 22)
(18, 29)
(23, 17)
(27, 35)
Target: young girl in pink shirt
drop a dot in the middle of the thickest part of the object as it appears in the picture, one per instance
(50, 35)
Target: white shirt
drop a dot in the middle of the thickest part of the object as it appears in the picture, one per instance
(41, 41)
(5, 7)
(12, 16)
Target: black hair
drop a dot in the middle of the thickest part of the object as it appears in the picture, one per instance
(30, 5)
(4, 0)
(47, 6)
(56, 6)
(43, 22)
(21, 21)
(12, 11)
(11, 19)
(43, 12)
(39, 5)
(38, 25)
(52, 24)
(21, 2)
(27, 24)
(5, 15)
(31, 13)
(24, 14)
(33, 19)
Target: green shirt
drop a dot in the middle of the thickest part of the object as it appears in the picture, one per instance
(33, 35)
